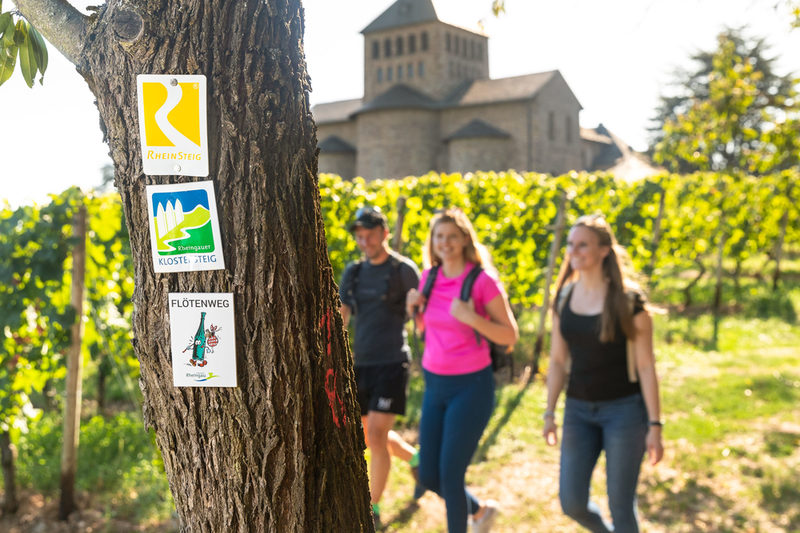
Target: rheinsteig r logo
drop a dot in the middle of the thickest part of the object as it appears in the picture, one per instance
(172, 124)
(171, 114)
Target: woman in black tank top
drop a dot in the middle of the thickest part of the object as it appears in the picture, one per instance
(602, 349)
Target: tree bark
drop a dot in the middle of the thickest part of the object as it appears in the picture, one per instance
(283, 451)
(687, 291)
(72, 402)
(8, 458)
(555, 247)
(776, 275)
(397, 239)
(657, 232)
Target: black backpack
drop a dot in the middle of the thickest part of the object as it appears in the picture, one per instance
(394, 295)
(500, 354)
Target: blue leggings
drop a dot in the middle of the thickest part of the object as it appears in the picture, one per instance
(455, 411)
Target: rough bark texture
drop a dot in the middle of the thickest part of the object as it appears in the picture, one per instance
(8, 460)
(73, 394)
(282, 451)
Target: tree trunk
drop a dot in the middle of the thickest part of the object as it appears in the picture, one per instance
(397, 240)
(283, 451)
(776, 275)
(657, 232)
(687, 291)
(102, 376)
(8, 458)
(555, 247)
(72, 402)
(718, 286)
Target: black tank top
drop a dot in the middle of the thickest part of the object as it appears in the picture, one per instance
(599, 369)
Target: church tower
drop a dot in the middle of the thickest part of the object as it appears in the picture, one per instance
(408, 44)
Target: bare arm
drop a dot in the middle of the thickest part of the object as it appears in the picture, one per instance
(346, 313)
(556, 377)
(415, 301)
(646, 368)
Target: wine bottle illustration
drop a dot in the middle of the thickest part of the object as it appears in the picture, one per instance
(198, 345)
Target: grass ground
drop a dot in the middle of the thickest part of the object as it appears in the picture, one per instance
(732, 440)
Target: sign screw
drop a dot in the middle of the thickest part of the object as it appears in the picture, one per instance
(177, 168)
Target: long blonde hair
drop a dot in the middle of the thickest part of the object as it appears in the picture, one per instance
(617, 270)
(474, 251)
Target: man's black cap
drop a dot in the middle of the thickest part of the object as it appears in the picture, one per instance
(368, 217)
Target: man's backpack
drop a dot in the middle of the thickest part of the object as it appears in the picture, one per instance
(394, 297)
(500, 354)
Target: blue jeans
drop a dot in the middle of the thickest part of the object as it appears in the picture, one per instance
(455, 411)
(619, 427)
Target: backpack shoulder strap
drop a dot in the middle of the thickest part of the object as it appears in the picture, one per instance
(350, 290)
(428, 287)
(469, 281)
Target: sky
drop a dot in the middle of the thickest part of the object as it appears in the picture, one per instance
(616, 55)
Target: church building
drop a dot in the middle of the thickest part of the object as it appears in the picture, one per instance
(429, 104)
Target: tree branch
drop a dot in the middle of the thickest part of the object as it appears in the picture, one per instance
(60, 23)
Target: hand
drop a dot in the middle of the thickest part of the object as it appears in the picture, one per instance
(550, 431)
(655, 449)
(414, 302)
(463, 311)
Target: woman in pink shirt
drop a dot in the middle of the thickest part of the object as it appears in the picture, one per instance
(459, 384)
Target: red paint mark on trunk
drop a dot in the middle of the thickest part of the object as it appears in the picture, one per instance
(334, 400)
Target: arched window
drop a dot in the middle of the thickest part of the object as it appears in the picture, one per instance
(389, 71)
(421, 69)
(551, 126)
(412, 43)
(423, 41)
(380, 75)
(376, 49)
(410, 70)
(398, 46)
(568, 127)
(387, 48)
(399, 72)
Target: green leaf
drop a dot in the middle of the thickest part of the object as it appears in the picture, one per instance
(27, 62)
(8, 61)
(40, 48)
(7, 28)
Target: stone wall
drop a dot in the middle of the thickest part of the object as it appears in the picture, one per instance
(395, 143)
(434, 71)
(556, 141)
(340, 163)
(470, 155)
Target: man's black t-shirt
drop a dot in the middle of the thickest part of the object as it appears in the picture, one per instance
(378, 305)
(599, 370)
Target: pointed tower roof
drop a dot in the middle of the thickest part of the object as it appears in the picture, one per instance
(403, 13)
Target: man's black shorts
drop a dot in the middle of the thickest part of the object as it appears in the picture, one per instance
(382, 388)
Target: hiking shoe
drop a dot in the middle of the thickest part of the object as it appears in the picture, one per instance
(484, 524)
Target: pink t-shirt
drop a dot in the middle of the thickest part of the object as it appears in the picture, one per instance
(451, 347)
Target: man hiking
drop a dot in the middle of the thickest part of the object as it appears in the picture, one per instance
(373, 292)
